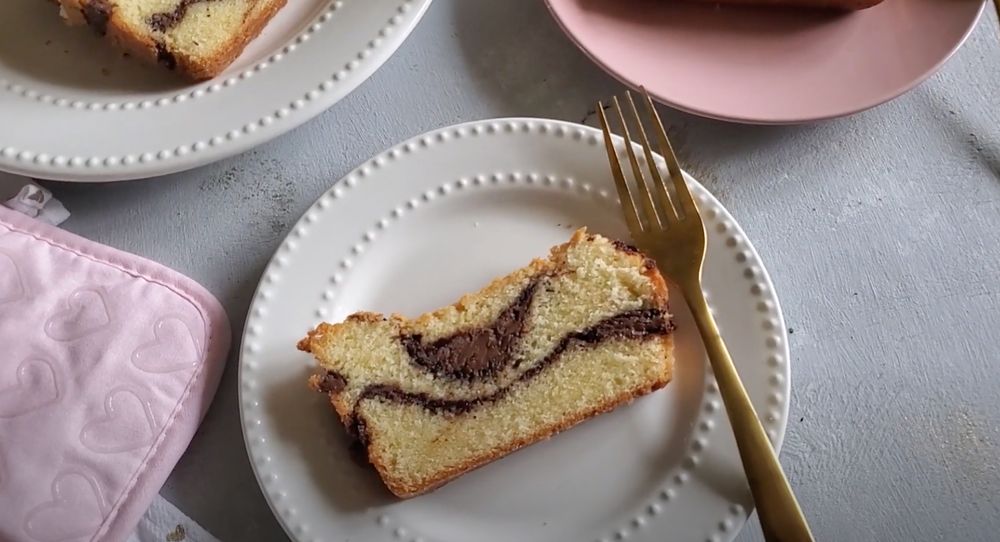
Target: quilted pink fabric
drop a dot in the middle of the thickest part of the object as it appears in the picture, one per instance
(107, 364)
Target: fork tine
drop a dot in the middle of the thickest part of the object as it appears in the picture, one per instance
(624, 192)
(684, 197)
(644, 196)
(666, 211)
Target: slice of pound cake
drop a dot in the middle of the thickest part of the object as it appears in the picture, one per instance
(198, 38)
(533, 353)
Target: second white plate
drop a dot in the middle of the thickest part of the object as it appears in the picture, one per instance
(441, 215)
(74, 109)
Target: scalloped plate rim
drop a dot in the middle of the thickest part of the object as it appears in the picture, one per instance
(199, 151)
(364, 174)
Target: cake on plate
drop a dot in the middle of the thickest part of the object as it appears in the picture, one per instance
(566, 338)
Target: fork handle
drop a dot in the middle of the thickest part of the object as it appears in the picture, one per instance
(780, 516)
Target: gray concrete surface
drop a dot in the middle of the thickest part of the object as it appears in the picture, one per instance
(880, 231)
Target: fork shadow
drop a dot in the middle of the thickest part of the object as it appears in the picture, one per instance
(726, 480)
(972, 136)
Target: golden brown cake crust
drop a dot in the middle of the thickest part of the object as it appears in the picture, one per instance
(215, 65)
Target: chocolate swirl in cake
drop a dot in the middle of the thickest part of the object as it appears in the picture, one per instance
(97, 13)
(636, 324)
(332, 383)
(165, 57)
(483, 352)
(478, 352)
(163, 21)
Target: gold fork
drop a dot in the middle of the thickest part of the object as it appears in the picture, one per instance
(669, 229)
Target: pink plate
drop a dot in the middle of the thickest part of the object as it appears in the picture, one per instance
(768, 66)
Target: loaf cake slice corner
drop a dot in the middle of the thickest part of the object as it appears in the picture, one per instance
(198, 38)
(533, 353)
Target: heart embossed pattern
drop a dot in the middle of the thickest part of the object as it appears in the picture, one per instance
(127, 424)
(85, 312)
(108, 364)
(34, 387)
(173, 348)
(76, 510)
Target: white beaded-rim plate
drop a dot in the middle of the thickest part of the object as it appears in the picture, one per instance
(73, 108)
(438, 216)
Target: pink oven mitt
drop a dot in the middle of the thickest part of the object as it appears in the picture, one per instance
(107, 365)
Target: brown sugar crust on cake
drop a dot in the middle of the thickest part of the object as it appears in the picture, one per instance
(150, 37)
(457, 371)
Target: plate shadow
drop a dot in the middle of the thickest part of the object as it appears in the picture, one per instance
(308, 421)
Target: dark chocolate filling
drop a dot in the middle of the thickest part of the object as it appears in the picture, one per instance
(97, 13)
(332, 383)
(478, 352)
(165, 57)
(161, 22)
(622, 246)
(636, 324)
